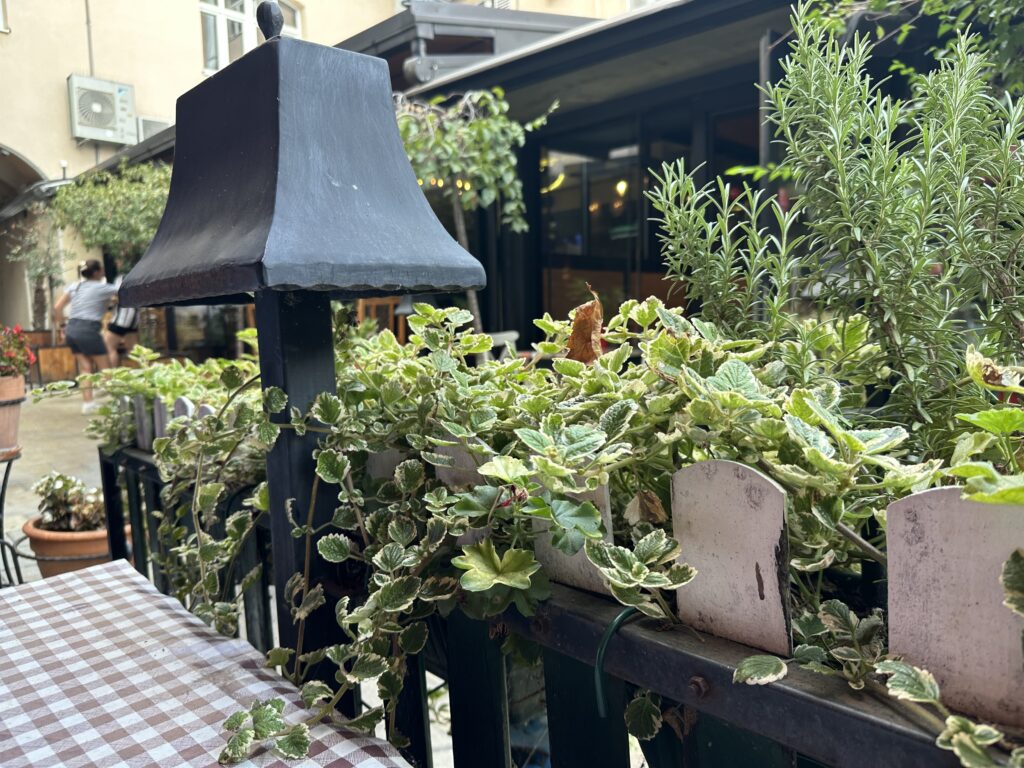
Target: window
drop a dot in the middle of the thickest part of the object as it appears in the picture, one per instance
(229, 29)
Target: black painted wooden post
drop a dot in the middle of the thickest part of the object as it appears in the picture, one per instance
(412, 717)
(114, 507)
(137, 517)
(477, 695)
(579, 737)
(297, 355)
(151, 495)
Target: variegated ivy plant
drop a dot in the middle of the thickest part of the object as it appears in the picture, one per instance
(658, 392)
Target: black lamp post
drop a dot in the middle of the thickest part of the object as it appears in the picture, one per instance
(291, 187)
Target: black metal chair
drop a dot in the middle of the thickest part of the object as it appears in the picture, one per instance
(8, 553)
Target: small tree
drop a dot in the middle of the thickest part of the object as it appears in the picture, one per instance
(116, 211)
(35, 242)
(469, 144)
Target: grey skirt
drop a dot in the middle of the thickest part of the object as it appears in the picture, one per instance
(84, 338)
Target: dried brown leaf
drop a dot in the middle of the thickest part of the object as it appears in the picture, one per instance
(585, 339)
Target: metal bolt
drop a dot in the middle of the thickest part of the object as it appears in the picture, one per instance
(699, 686)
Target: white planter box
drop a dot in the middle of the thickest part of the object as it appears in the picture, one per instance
(946, 611)
(730, 521)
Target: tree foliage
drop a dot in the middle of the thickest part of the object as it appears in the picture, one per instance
(466, 147)
(117, 211)
(34, 240)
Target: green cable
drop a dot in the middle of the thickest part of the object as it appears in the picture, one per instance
(618, 621)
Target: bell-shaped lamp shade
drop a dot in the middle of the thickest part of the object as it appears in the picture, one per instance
(289, 174)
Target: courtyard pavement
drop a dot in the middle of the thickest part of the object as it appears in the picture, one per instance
(52, 436)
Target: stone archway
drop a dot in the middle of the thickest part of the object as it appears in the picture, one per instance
(17, 174)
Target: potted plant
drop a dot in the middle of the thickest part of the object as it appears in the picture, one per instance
(15, 360)
(71, 523)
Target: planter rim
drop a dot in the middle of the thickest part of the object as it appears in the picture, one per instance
(31, 530)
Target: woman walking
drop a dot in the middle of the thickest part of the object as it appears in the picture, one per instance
(89, 299)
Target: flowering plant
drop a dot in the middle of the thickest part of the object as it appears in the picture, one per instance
(15, 355)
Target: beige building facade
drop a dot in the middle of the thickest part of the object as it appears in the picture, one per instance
(159, 49)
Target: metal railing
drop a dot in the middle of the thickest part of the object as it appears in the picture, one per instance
(806, 720)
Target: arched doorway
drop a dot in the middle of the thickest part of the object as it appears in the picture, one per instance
(18, 177)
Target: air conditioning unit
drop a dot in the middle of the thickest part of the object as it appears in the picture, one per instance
(102, 110)
(149, 126)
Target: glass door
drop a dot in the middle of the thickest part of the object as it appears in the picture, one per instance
(590, 216)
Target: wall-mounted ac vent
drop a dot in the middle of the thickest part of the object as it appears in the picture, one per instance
(102, 110)
(149, 126)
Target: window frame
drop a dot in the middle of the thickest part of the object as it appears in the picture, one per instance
(223, 15)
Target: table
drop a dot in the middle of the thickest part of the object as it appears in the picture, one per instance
(97, 668)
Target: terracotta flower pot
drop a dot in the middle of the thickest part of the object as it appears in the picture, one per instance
(90, 545)
(12, 394)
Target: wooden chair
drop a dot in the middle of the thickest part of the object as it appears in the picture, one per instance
(383, 311)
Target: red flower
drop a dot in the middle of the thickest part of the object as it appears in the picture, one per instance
(17, 329)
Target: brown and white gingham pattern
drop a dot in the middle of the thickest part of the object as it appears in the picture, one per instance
(97, 668)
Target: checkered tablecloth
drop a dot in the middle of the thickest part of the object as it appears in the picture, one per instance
(97, 668)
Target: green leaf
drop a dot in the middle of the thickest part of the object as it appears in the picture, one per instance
(231, 377)
(616, 418)
(909, 682)
(331, 466)
(478, 502)
(969, 469)
(535, 439)
(367, 666)
(1012, 579)
(402, 531)
(327, 408)
(393, 556)
(567, 367)
(810, 437)
(760, 670)
(409, 476)
(997, 421)
(208, 497)
(574, 515)
(413, 637)
(581, 440)
(367, 721)
(314, 691)
(484, 569)
(295, 743)
(508, 469)
(398, 595)
(438, 459)
(805, 654)
(643, 715)
(334, 547)
(874, 441)
(736, 376)
(279, 657)
(274, 399)
(266, 718)
(237, 748)
(956, 725)
(236, 720)
(313, 599)
(835, 615)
